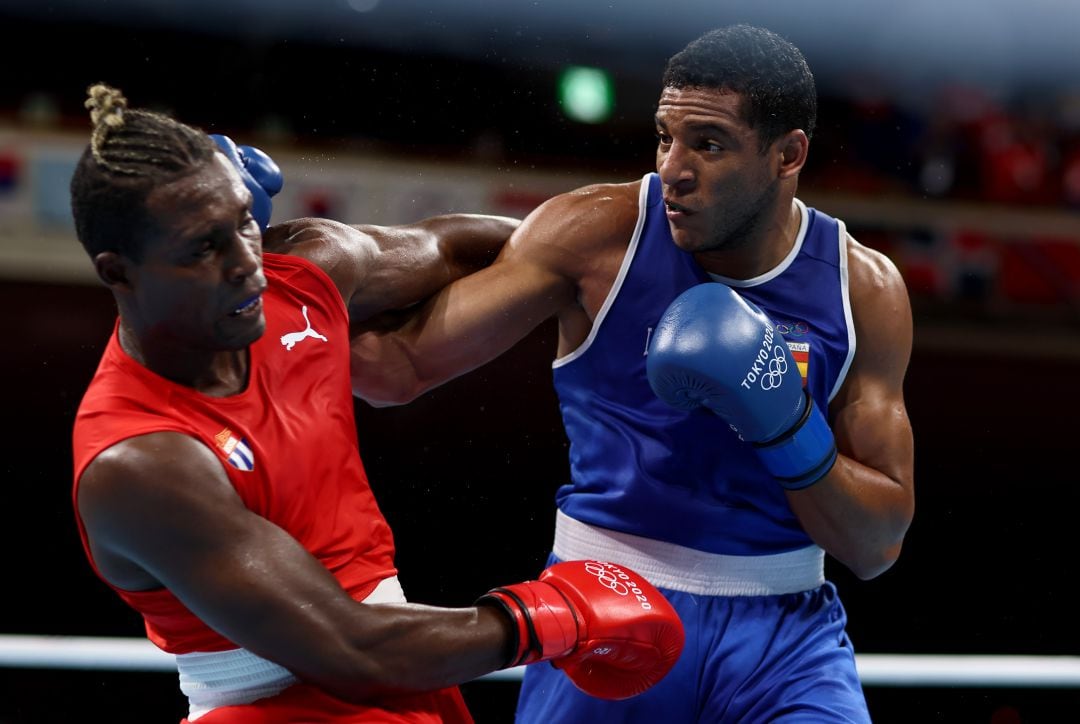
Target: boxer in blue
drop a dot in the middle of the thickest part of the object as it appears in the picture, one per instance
(730, 370)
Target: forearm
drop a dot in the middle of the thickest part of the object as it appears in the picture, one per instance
(410, 648)
(857, 514)
(273, 599)
(466, 325)
(253, 583)
(390, 648)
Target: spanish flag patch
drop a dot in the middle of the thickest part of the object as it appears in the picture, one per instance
(801, 352)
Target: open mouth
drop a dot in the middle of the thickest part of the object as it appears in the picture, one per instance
(248, 307)
(674, 208)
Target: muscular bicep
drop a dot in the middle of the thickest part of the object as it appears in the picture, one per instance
(870, 418)
(162, 504)
(872, 427)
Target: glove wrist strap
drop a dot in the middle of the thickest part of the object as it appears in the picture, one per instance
(543, 620)
(804, 454)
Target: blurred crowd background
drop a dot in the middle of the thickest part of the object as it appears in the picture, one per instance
(948, 137)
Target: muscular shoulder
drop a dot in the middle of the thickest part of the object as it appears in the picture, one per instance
(873, 279)
(136, 489)
(880, 307)
(591, 213)
(326, 243)
(150, 464)
(575, 229)
(610, 199)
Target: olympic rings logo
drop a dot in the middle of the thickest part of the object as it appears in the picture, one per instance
(792, 329)
(618, 581)
(606, 578)
(778, 367)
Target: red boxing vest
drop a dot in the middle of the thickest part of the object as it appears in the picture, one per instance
(287, 442)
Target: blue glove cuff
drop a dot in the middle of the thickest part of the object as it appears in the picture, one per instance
(804, 454)
(249, 161)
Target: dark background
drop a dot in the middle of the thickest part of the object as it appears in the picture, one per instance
(466, 475)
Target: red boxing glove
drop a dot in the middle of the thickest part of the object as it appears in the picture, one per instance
(605, 626)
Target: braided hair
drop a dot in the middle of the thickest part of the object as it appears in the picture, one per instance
(131, 152)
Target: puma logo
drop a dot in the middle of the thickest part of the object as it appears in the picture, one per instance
(289, 340)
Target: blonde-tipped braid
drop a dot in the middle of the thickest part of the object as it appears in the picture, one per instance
(106, 106)
(131, 153)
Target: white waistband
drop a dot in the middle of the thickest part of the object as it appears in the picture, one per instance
(211, 679)
(678, 568)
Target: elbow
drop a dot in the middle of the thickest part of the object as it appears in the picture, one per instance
(386, 385)
(868, 567)
(878, 548)
(385, 395)
(381, 383)
(873, 558)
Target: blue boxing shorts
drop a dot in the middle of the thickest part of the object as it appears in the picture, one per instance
(748, 658)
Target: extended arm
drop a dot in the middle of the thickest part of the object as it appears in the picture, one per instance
(383, 268)
(544, 270)
(861, 510)
(159, 511)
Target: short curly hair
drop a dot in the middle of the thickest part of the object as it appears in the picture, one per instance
(769, 73)
(131, 152)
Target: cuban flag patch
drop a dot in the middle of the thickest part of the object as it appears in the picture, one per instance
(236, 450)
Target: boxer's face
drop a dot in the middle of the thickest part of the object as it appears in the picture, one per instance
(200, 280)
(717, 182)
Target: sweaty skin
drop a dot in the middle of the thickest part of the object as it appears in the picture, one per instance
(731, 203)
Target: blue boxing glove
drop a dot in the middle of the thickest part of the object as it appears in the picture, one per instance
(259, 172)
(714, 349)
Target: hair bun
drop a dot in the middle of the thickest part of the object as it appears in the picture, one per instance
(106, 105)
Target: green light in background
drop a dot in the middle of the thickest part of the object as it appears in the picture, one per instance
(586, 94)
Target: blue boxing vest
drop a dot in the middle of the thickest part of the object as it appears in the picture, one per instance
(641, 467)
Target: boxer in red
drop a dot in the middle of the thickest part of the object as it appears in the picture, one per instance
(218, 484)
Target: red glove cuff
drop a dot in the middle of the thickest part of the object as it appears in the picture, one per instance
(545, 622)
